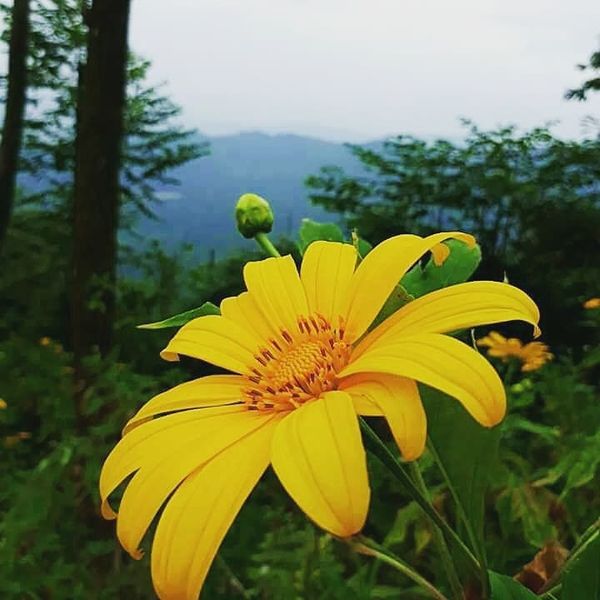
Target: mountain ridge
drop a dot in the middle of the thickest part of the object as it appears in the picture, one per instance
(200, 209)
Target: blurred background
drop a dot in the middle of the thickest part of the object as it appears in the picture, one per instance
(128, 132)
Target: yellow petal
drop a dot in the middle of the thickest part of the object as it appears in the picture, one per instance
(363, 405)
(149, 443)
(154, 482)
(319, 458)
(400, 403)
(326, 271)
(245, 312)
(216, 340)
(456, 307)
(440, 253)
(201, 511)
(276, 288)
(442, 363)
(381, 271)
(213, 390)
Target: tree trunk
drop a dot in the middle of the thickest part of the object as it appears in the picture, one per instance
(101, 105)
(12, 130)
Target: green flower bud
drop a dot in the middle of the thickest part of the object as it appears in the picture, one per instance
(253, 215)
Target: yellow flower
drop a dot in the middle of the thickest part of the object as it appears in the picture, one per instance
(45, 341)
(532, 355)
(10, 441)
(592, 303)
(3, 404)
(535, 355)
(305, 367)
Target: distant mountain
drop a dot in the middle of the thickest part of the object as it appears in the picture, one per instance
(200, 209)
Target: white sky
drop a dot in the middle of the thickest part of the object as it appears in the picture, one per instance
(354, 70)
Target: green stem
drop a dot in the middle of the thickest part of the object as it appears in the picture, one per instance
(370, 548)
(438, 536)
(549, 595)
(379, 449)
(233, 580)
(511, 370)
(262, 239)
(477, 547)
(585, 537)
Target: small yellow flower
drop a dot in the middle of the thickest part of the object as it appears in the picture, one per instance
(535, 355)
(305, 367)
(45, 341)
(592, 303)
(532, 355)
(10, 441)
(3, 404)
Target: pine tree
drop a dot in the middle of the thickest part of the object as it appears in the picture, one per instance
(12, 130)
(590, 85)
(99, 134)
(154, 143)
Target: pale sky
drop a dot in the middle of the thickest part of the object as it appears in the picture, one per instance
(354, 70)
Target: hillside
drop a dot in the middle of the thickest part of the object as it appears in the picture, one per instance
(200, 209)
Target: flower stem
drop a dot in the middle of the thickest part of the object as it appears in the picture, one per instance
(232, 578)
(262, 239)
(460, 509)
(438, 537)
(368, 547)
(381, 451)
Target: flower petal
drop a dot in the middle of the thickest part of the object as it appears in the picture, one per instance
(319, 458)
(216, 340)
(276, 288)
(245, 312)
(400, 403)
(201, 511)
(213, 390)
(442, 363)
(149, 443)
(382, 269)
(456, 307)
(152, 484)
(326, 272)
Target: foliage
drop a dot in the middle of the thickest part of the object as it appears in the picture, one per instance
(590, 85)
(155, 143)
(531, 199)
(510, 492)
(534, 495)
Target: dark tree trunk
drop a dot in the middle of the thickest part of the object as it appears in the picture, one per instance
(12, 130)
(101, 105)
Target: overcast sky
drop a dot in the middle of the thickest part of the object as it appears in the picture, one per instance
(362, 69)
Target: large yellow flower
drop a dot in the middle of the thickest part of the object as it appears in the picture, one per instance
(305, 367)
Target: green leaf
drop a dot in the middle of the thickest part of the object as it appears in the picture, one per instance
(362, 246)
(526, 507)
(519, 423)
(457, 268)
(208, 308)
(311, 231)
(405, 517)
(397, 299)
(582, 579)
(506, 588)
(466, 453)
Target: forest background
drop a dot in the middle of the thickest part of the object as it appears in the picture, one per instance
(79, 271)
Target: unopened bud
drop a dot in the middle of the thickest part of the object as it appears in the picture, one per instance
(253, 215)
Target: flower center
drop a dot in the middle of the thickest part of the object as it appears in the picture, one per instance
(297, 366)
